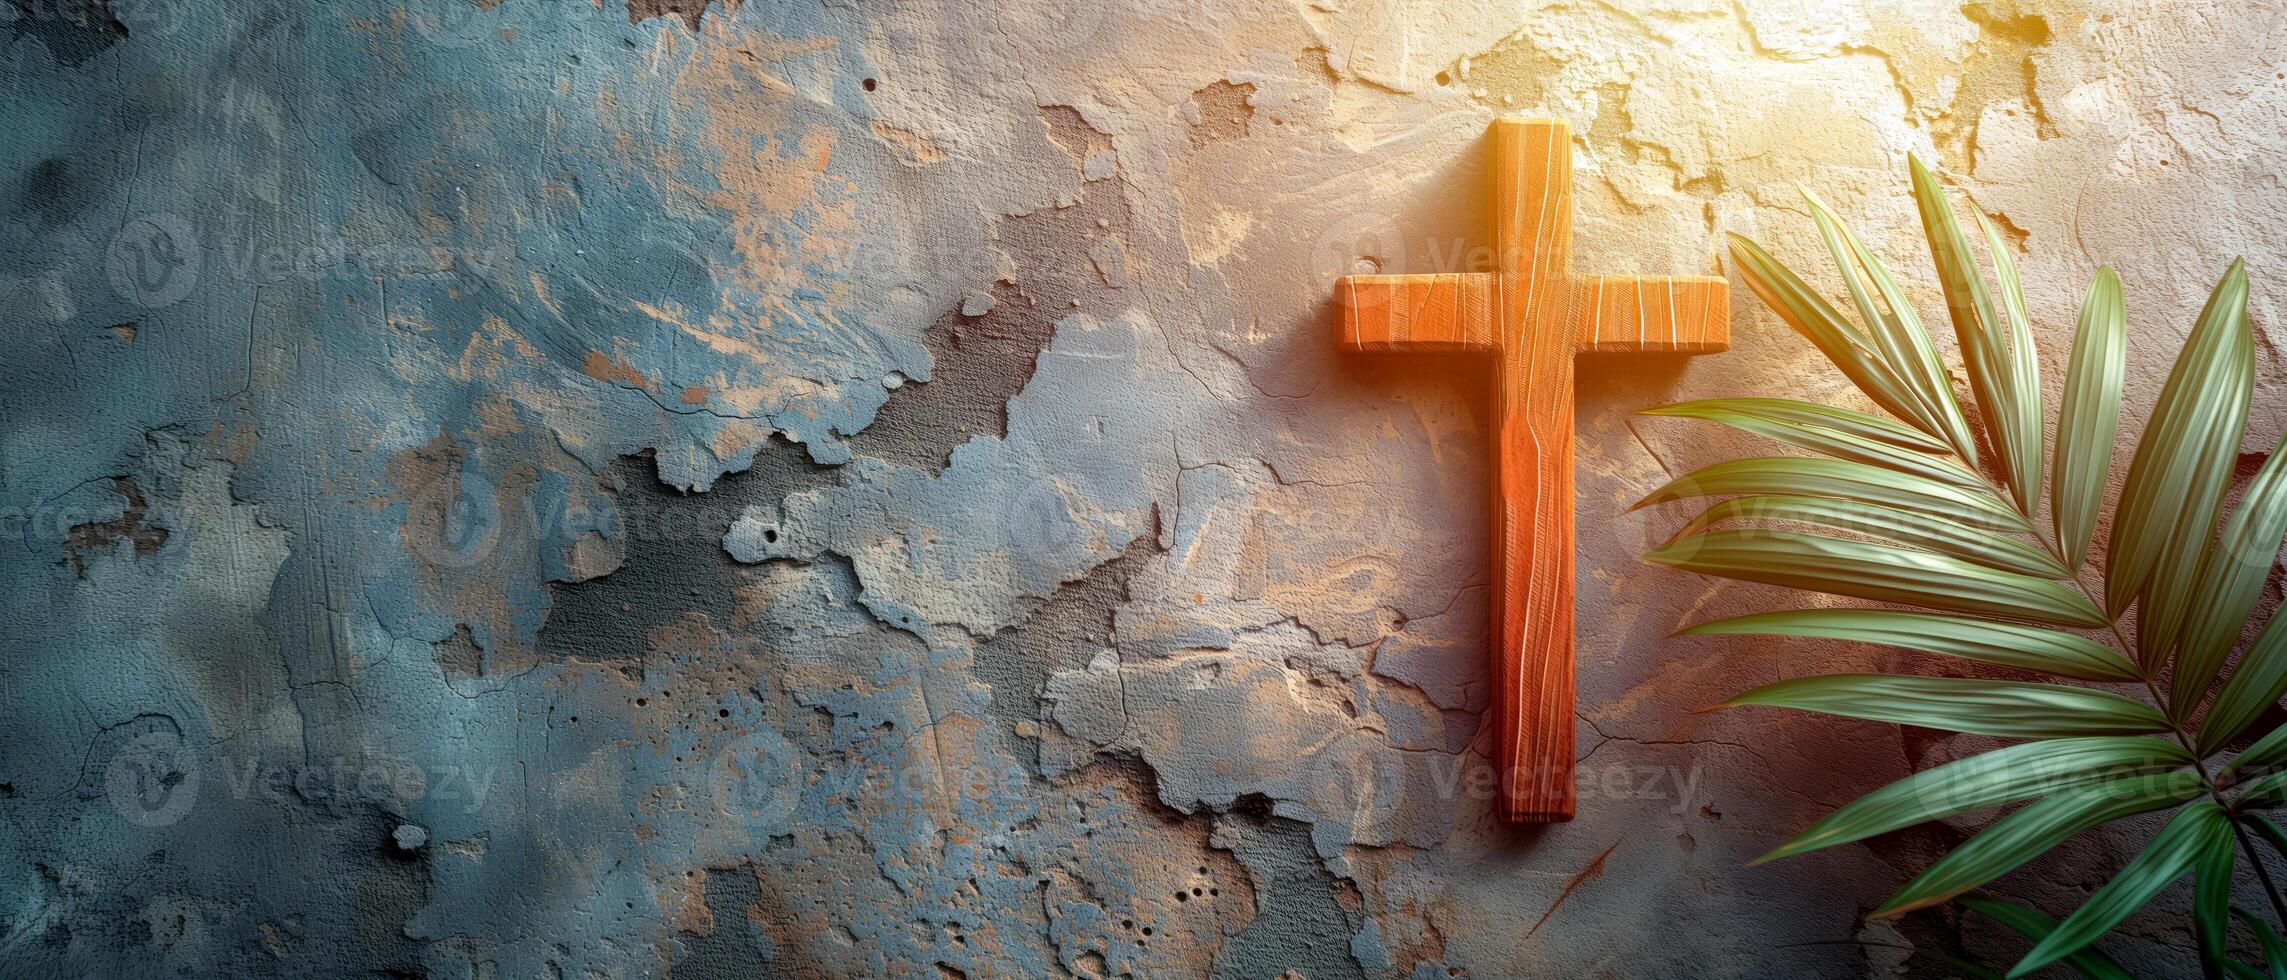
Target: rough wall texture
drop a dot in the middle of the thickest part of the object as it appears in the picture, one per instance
(541, 488)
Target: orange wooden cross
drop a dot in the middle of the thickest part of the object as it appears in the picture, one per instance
(1533, 313)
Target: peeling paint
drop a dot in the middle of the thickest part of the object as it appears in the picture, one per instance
(580, 490)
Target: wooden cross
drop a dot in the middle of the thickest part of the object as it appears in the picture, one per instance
(1532, 313)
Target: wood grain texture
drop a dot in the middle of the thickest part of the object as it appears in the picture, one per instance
(1532, 468)
(1533, 314)
(1444, 312)
(1638, 314)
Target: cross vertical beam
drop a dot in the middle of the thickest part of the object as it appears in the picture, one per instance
(1532, 471)
(1533, 315)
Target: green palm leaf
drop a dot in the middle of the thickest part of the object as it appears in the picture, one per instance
(1787, 411)
(2005, 775)
(2010, 709)
(2019, 433)
(2004, 644)
(1822, 439)
(1879, 572)
(2264, 793)
(2254, 685)
(2265, 754)
(1812, 477)
(2231, 579)
(1971, 308)
(2033, 925)
(2183, 463)
(2274, 948)
(2241, 970)
(1899, 512)
(2265, 829)
(2188, 839)
(1895, 330)
(2211, 899)
(2090, 417)
(2033, 830)
(1931, 534)
(1819, 322)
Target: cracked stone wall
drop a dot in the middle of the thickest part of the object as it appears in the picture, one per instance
(536, 488)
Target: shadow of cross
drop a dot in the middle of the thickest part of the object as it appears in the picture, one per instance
(1532, 313)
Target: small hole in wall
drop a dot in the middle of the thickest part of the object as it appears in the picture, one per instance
(870, 84)
(642, 702)
(722, 712)
(770, 535)
(1181, 897)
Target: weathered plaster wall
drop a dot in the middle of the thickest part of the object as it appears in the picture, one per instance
(534, 488)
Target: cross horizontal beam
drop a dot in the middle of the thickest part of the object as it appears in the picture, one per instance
(1453, 312)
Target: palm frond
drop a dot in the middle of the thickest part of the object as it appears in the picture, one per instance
(2211, 899)
(1920, 532)
(2002, 776)
(2274, 948)
(2231, 580)
(1860, 570)
(1894, 328)
(2031, 924)
(1818, 321)
(1903, 512)
(1810, 476)
(2254, 685)
(2002, 644)
(2090, 417)
(1786, 411)
(2260, 756)
(1974, 317)
(2263, 794)
(1830, 440)
(2196, 833)
(2031, 831)
(2011, 709)
(2183, 462)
